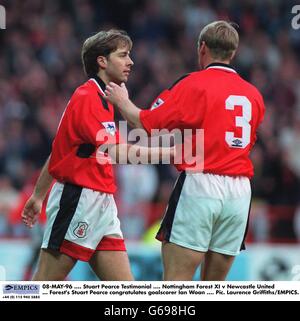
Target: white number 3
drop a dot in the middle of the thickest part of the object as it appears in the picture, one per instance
(240, 121)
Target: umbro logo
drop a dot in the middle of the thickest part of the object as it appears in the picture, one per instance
(237, 143)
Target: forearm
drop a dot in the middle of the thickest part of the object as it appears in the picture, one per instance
(43, 183)
(152, 154)
(135, 154)
(131, 113)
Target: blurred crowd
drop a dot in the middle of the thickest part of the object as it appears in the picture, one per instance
(40, 67)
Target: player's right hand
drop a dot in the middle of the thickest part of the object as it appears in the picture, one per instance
(31, 211)
(116, 94)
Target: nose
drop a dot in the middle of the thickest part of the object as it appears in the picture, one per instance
(130, 62)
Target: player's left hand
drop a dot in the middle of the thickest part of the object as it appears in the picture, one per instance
(116, 94)
(31, 211)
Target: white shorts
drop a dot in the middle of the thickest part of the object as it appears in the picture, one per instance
(208, 212)
(81, 221)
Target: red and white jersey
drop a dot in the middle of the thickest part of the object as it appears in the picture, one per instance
(87, 123)
(225, 106)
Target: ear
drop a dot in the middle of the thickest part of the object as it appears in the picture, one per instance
(202, 48)
(232, 55)
(102, 62)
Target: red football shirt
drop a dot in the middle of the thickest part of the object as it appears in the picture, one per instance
(87, 123)
(225, 106)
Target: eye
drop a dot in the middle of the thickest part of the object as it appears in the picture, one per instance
(123, 54)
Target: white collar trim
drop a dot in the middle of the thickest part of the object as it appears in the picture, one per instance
(97, 85)
(221, 67)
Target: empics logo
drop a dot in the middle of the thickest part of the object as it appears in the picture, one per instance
(2, 17)
(21, 289)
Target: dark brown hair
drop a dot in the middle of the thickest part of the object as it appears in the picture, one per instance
(102, 44)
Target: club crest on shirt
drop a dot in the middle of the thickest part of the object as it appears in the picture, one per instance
(80, 230)
(110, 127)
(157, 103)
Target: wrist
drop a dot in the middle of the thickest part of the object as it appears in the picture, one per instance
(38, 196)
(123, 103)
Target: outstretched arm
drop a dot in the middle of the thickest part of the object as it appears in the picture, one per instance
(34, 204)
(135, 154)
(118, 96)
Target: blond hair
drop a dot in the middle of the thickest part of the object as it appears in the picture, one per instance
(102, 44)
(221, 38)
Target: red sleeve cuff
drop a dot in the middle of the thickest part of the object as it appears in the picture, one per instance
(144, 121)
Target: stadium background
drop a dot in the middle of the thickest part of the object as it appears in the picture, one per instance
(40, 67)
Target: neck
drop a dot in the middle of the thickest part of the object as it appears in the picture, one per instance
(103, 77)
(106, 79)
(215, 61)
